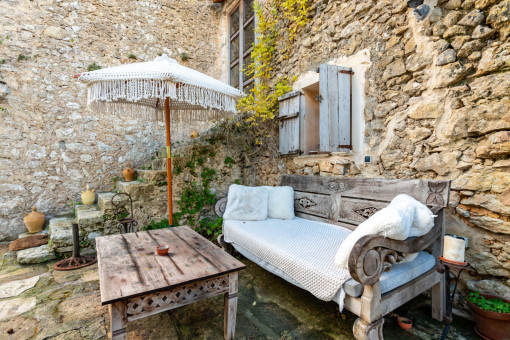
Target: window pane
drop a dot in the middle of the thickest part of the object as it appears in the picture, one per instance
(234, 22)
(246, 65)
(234, 76)
(249, 35)
(248, 9)
(234, 49)
(247, 88)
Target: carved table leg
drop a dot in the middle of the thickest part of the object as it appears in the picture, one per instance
(231, 307)
(118, 320)
(369, 325)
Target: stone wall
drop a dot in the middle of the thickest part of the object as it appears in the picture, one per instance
(437, 106)
(51, 144)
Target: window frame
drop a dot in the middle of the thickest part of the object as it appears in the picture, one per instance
(239, 33)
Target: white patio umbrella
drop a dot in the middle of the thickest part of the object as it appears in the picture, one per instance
(149, 89)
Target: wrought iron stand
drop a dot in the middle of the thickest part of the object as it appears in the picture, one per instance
(444, 267)
(76, 261)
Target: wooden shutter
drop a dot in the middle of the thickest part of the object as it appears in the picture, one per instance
(335, 86)
(290, 123)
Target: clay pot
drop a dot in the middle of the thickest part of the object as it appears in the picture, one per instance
(129, 173)
(88, 196)
(162, 249)
(34, 221)
(491, 325)
(404, 323)
(194, 134)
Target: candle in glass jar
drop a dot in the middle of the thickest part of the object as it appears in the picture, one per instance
(454, 248)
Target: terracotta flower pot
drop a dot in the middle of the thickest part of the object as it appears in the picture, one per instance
(162, 249)
(404, 323)
(491, 325)
(34, 221)
(129, 173)
(88, 196)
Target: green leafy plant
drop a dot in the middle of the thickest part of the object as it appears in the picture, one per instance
(132, 56)
(210, 229)
(93, 67)
(184, 56)
(153, 225)
(489, 304)
(115, 180)
(229, 161)
(3, 61)
(22, 57)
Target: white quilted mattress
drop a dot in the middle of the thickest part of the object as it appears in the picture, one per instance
(303, 250)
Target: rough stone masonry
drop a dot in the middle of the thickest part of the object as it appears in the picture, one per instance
(436, 106)
(51, 145)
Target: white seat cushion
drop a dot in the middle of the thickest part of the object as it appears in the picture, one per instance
(399, 274)
(302, 249)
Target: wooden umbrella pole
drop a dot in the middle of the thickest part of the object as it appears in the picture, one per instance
(168, 162)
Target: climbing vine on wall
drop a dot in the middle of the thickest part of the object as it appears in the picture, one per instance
(261, 103)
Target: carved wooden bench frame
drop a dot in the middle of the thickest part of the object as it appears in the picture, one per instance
(373, 254)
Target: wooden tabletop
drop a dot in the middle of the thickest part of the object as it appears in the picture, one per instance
(129, 265)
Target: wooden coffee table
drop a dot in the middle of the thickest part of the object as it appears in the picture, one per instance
(136, 282)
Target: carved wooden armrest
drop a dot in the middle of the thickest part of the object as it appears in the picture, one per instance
(373, 254)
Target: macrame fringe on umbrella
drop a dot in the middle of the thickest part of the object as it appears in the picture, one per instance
(136, 97)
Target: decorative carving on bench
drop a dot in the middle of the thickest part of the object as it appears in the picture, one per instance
(305, 202)
(436, 193)
(139, 307)
(219, 207)
(374, 254)
(366, 212)
(337, 187)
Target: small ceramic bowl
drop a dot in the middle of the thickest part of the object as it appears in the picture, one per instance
(404, 323)
(162, 249)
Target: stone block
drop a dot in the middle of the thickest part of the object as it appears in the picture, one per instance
(153, 176)
(426, 111)
(482, 32)
(451, 74)
(473, 18)
(35, 255)
(104, 200)
(136, 189)
(89, 219)
(447, 57)
(470, 47)
(158, 164)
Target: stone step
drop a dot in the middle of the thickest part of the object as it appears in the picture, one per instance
(157, 177)
(137, 190)
(89, 218)
(104, 200)
(35, 255)
(42, 232)
(61, 234)
(158, 164)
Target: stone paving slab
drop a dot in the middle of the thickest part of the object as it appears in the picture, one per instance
(13, 307)
(66, 305)
(15, 288)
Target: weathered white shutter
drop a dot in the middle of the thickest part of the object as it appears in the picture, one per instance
(290, 123)
(335, 86)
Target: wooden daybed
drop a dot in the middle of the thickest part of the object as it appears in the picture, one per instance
(348, 202)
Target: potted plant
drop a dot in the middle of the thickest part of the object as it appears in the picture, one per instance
(492, 315)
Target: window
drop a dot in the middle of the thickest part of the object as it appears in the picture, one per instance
(241, 39)
(318, 118)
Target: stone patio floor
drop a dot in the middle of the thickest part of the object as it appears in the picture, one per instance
(37, 302)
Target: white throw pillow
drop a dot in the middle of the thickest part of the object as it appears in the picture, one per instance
(280, 202)
(402, 218)
(246, 203)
